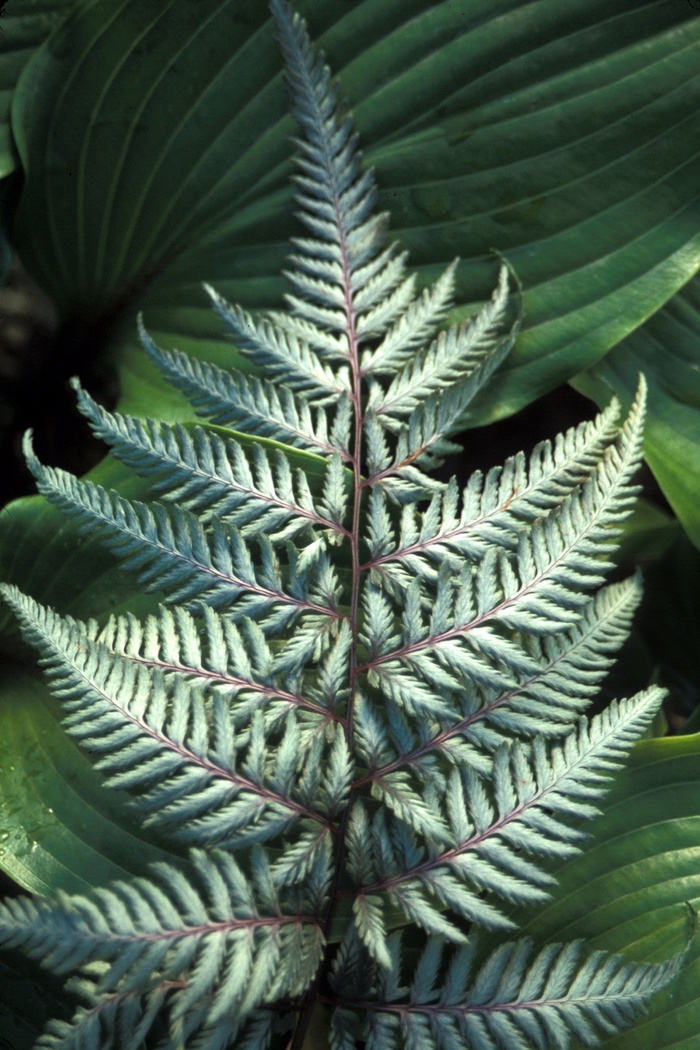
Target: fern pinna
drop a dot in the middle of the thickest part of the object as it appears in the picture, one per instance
(361, 705)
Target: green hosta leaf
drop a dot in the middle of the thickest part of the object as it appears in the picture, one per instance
(60, 828)
(667, 350)
(176, 175)
(25, 25)
(213, 928)
(42, 548)
(647, 534)
(628, 890)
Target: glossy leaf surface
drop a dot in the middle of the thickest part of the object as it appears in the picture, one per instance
(628, 890)
(25, 25)
(667, 350)
(141, 186)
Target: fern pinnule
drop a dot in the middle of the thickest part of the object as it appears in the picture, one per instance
(521, 809)
(458, 353)
(415, 324)
(252, 405)
(181, 757)
(240, 941)
(518, 996)
(569, 671)
(283, 353)
(255, 489)
(490, 508)
(170, 549)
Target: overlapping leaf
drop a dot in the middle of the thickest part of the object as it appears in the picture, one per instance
(230, 936)
(517, 998)
(499, 827)
(461, 170)
(25, 27)
(667, 350)
(625, 892)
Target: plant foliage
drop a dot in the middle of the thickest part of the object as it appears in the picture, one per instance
(360, 711)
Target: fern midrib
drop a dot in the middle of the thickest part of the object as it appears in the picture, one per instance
(434, 847)
(211, 928)
(407, 1011)
(208, 380)
(128, 520)
(294, 510)
(311, 997)
(407, 461)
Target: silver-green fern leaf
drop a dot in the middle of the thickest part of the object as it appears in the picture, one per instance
(361, 704)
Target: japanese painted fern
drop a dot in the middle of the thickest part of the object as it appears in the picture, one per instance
(361, 705)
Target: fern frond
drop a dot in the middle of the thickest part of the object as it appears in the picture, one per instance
(232, 660)
(520, 997)
(490, 509)
(417, 323)
(362, 702)
(252, 405)
(284, 354)
(524, 807)
(349, 285)
(170, 549)
(570, 670)
(130, 1014)
(565, 554)
(472, 349)
(379, 277)
(422, 441)
(324, 343)
(415, 809)
(206, 474)
(374, 322)
(158, 738)
(203, 943)
(539, 591)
